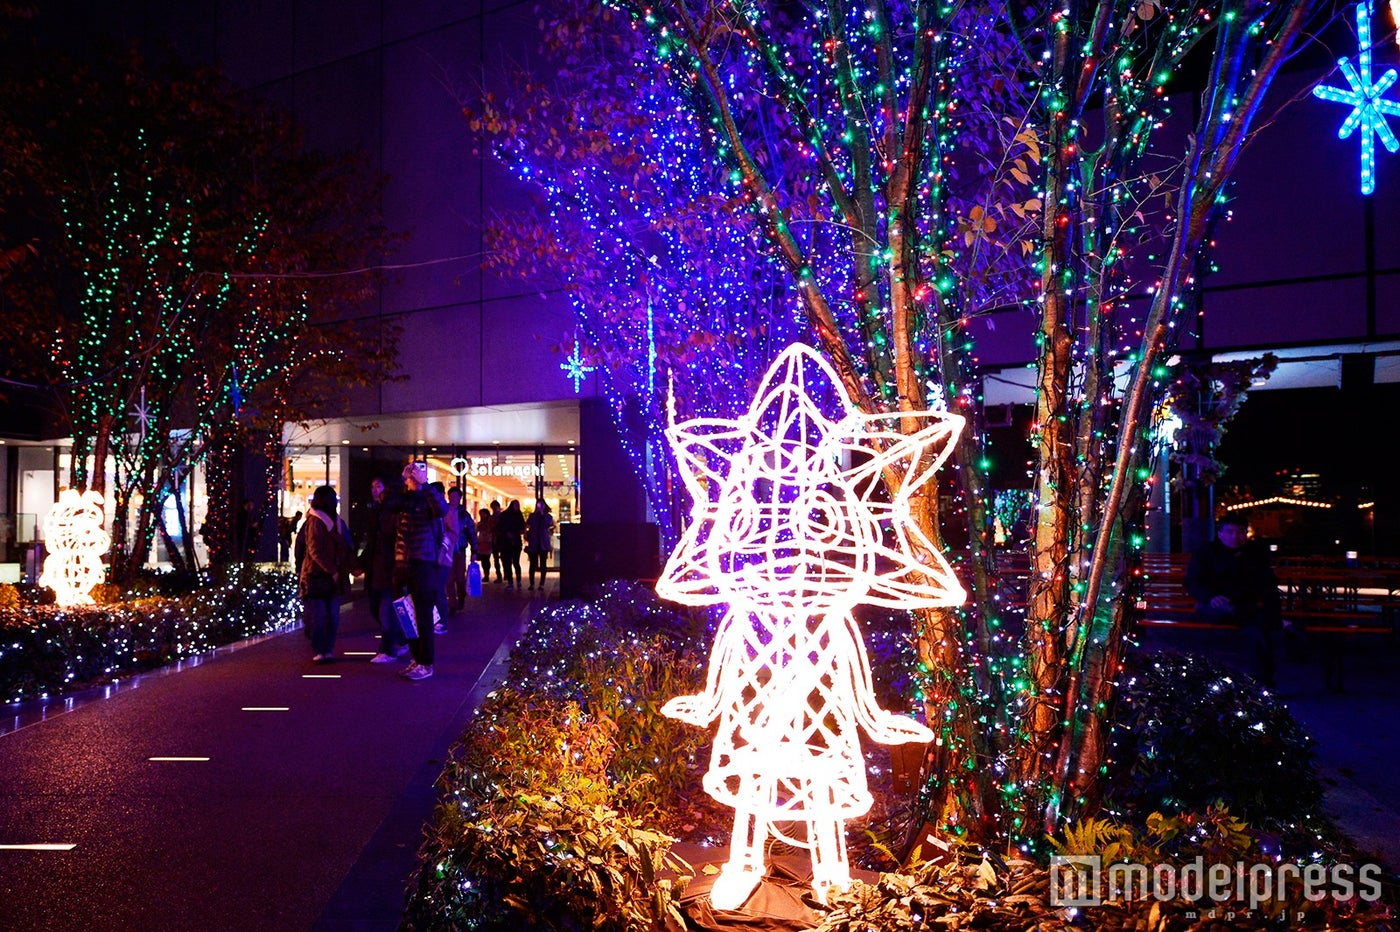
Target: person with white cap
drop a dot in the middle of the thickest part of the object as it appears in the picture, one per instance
(418, 532)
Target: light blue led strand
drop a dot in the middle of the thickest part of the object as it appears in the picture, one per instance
(1369, 108)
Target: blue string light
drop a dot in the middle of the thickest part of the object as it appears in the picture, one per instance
(1364, 97)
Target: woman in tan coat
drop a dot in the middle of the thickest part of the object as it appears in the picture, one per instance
(325, 572)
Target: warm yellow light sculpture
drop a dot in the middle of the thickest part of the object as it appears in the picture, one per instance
(76, 542)
(790, 531)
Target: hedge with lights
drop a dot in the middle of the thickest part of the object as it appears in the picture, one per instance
(46, 650)
(555, 801)
(562, 802)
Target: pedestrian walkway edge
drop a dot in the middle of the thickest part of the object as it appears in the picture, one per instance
(371, 897)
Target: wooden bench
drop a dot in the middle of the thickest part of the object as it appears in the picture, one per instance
(1163, 600)
(1319, 605)
(1319, 598)
(1352, 599)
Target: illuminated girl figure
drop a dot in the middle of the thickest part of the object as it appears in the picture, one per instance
(76, 542)
(789, 530)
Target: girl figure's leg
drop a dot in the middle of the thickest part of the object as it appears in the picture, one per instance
(830, 868)
(744, 869)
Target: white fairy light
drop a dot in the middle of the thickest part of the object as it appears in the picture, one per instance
(790, 531)
(76, 542)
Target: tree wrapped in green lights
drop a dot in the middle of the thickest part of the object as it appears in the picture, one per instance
(193, 268)
(128, 348)
(948, 140)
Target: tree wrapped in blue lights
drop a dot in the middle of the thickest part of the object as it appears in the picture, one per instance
(909, 167)
(674, 292)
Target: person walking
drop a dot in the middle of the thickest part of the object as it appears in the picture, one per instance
(462, 553)
(510, 528)
(485, 536)
(325, 572)
(448, 537)
(377, 560)
(419, 513)
(496, 541)
(539, 533)
(286, 530)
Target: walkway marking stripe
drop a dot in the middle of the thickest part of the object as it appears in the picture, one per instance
(48, 846)
(320, 676)
(178, 758)
(266, 708)
(359, 653)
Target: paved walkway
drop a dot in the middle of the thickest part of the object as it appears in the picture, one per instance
(307, 817)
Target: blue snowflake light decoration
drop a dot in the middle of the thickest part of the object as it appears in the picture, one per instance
(1369, 108)
(576, 368)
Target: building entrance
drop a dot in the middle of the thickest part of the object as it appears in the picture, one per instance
(485, 474)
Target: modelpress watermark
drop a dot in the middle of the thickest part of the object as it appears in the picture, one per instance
(1084, 880)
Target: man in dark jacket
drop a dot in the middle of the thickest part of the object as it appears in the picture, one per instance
(461, 555)
(377, 559)
(419, 514)
(1233, 582)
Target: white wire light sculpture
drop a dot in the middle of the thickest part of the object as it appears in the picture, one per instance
(790, 531)
(76, 542)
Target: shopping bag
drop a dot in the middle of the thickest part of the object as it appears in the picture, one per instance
(474, 578)
(408, 621)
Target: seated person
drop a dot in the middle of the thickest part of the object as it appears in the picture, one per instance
(1233, 582)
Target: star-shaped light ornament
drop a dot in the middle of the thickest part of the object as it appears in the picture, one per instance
(792, 528)
(1369, 108)
(576, 368)
(141, 411)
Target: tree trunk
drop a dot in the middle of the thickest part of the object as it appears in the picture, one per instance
(1048, 601)
(954, 797)
(221, 479)
(101, 452)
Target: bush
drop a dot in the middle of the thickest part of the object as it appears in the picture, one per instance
(554, 801)
(47, 650)
(977, 889)
(1191, 734)
(9, 597)
(620, 658)
(528, 832)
